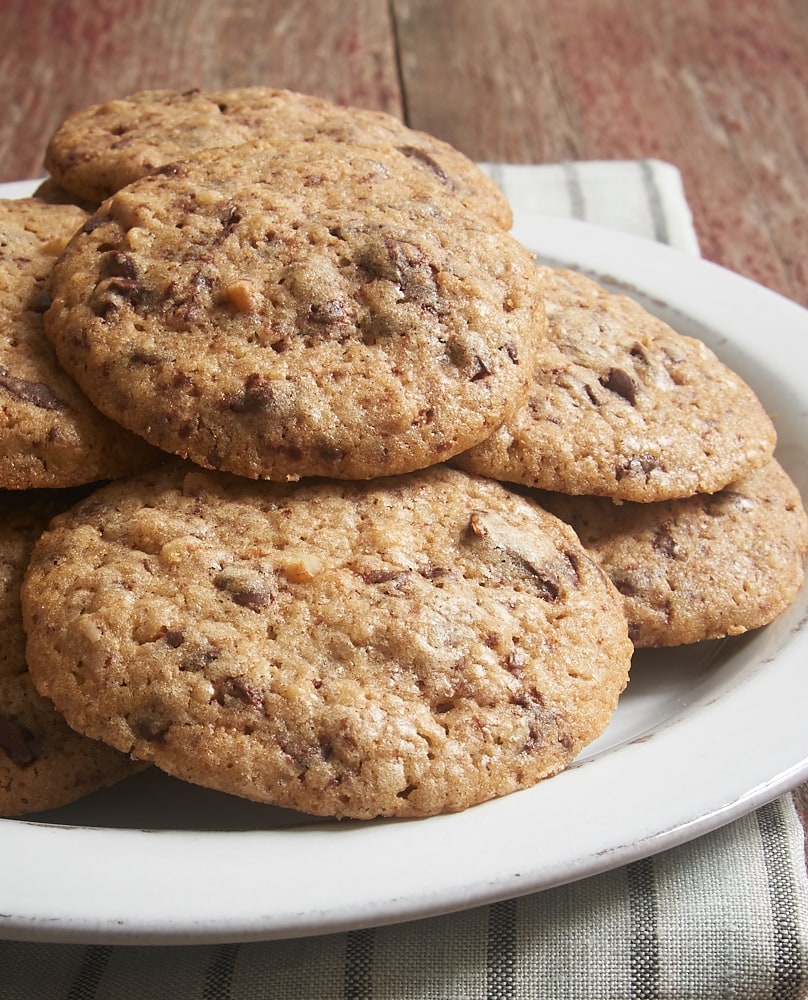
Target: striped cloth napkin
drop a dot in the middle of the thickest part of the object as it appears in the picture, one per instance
(723, 916)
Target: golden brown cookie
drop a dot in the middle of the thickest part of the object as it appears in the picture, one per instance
(700, 568)
(100, 149)
(324, 310)
(401, 647)
(624, 406)
(43, 762)
(50, 192)
(50, 434)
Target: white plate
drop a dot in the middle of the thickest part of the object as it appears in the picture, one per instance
(702, 735)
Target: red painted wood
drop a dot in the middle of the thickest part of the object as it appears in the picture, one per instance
(719, 89)
(60, 55)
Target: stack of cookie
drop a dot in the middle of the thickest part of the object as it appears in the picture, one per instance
(52, 440)
(661, 458)
(331, 383)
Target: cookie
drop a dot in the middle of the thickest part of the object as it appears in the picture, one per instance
(50, 192)
(50, 434)
(325, 310)
(624, 406)
(400, 647)
(43, 762)
(100, 149)
(700, 568)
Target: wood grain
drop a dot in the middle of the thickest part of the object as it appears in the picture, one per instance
(68, 54)
(719, 89)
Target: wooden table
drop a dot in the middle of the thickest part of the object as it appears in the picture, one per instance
(719, 88)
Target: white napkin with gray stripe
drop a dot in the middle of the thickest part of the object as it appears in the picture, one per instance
(641, 197)
(723, 916)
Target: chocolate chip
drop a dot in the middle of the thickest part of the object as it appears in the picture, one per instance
(462, 351)
(664, 542)
(40, 301)
(620, 382)
(167, 170)
(118, 265)
(404, 265)
(329, 452)
(185, 303)
(174, 637)
(327, 313)
(549, 573)
(590, 393)
(150, 729)
(230, 219)
(480, 370)
(94, 222)
(196, 657)
(256, 397)
(542, 723)
(246, 589)
(113, 293)
(418, 286)
(414, 153)
(384, 576)
(636, 465)
(229, 689)
(37, 393)
(141, 357)
(153, 721)
(128, 290)
(17, 742)
(431, 572)
(547, 583)
(639, 353)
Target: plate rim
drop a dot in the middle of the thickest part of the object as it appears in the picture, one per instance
(74, 904)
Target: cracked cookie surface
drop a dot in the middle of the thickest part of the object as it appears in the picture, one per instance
(402, 647)
(43, 762)
(624, 406)
(50, 434)
(703, 567)
(326, 310)
(101, 148)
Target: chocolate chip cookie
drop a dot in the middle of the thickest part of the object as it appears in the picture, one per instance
(700, 568)
(400, 647)
(50, 192)
(100, 149)
(50, 434)
(624, 406)
(324, 310)
(43, 762)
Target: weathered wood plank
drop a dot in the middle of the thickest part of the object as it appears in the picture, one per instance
(59, 55)
(720, 89)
